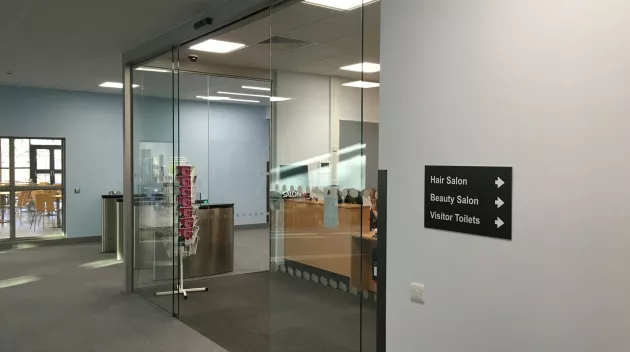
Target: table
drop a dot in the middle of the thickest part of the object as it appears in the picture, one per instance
(58, 198)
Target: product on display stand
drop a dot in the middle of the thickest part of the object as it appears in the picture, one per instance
(185, 230)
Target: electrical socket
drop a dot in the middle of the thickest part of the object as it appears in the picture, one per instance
(417, 293)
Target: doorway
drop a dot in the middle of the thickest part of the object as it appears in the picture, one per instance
(32, 187)
(316, 68)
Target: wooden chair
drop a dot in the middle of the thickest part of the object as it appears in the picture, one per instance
(23, 198)
(44, 203)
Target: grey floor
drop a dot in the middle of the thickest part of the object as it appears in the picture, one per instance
(43, 229)
(68, 298)
(252, 310)
(251, 250)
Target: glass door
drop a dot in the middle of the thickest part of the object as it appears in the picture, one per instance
(47, 167)
(324, 176)
(156, 256)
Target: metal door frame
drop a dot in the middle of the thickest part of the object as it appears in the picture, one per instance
(12, 188)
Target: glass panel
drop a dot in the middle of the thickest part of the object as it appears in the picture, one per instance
(38, 213)
(22, 176)
(43, 159)
(43, 178)
(156, 255)
(320, 220)
(58, 160)
(45, 141)
(22, 153)
(58, 178)
(5, 215)
(4, 152)
(5, 176)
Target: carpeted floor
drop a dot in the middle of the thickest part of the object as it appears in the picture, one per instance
(277, 312)
(68, 298)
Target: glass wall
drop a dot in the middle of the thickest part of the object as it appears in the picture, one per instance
(277, 118)
(324, 178)
(155, 151)
(31, 187)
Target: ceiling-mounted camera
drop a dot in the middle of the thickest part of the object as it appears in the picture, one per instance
(193, 58)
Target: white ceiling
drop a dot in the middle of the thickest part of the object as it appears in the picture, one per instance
(337, 39)
(77, 44)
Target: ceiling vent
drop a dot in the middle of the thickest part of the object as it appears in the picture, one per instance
(285, 43)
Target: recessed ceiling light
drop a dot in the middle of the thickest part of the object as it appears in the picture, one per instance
(243, 100)
(344, 5)
(115, 85)
(256, 88)
(246, 95)
(212, 97)
(366, 67)
(361, 84)
(217, 46)
(151, 69)
(278, 99)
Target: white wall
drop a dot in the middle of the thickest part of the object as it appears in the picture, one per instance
(303, 123)
(539, 85)
(307, 126)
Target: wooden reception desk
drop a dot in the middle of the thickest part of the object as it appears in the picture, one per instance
(309, 242)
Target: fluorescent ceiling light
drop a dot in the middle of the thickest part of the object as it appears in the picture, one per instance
(151, 69)
(212, 97)
(344, 5)
(243, 100)
(256, 88)
(115, 85)
(246, 95)
(217, 46)
(366, 67)
(278, 99)
(257, 95)
(361, 84)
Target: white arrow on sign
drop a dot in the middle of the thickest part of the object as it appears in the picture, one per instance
(499, 182)
(499, 222)
(499, 202)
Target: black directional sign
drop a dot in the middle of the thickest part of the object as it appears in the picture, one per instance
(470, 199)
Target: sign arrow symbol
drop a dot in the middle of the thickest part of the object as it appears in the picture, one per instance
(498, 222)
(499, 182)
(499, 202)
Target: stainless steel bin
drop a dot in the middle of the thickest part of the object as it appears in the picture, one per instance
(119, 229)
(215, 251)
(109, 222)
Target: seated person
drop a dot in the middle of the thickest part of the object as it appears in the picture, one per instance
(373, 211)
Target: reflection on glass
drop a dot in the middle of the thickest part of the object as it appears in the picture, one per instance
(46, 141)
(4, 152)
(5, 224)
(22, 176)
(58, 159)
(43, 159)
(22, 153)
(43, 178)
(5, 176)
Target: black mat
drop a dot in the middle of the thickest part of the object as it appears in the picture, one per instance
(277, 313)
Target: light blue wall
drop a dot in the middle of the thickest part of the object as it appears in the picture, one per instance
(228, 143)
(92, 126)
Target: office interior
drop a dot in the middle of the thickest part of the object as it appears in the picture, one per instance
(277, 116)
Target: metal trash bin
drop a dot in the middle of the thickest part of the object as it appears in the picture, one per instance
(119, 229)
(109, 222)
